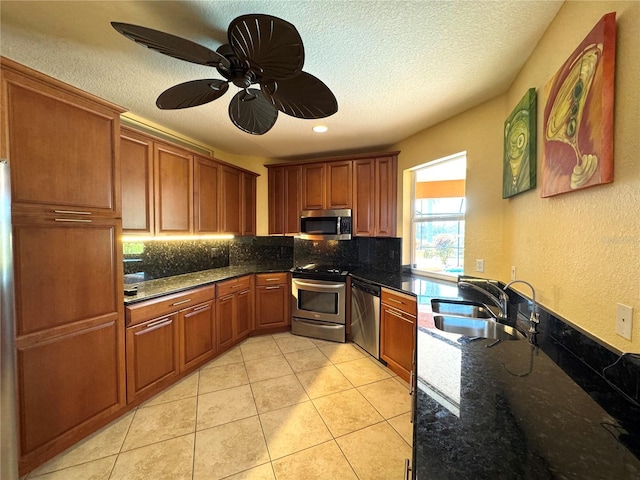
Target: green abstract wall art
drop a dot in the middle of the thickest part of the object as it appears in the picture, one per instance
(519, 160)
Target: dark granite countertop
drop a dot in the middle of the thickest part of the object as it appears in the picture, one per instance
(511, 411)
(164, 286)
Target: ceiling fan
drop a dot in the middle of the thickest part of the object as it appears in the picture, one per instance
(262, 50)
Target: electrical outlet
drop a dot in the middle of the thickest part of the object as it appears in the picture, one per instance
(624, 320)
(513, 272)
(479, 265)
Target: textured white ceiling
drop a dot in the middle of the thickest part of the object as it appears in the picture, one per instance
(395, 67)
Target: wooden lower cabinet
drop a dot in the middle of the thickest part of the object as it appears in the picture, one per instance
(197, 335)
(398, 332)
(152, 355)
(272, 301)
(67, 384)
(234, 315)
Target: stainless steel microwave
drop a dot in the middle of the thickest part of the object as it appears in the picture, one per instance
(326, 224)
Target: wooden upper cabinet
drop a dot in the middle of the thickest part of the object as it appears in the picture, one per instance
(62, 145)
(363, 213)
(231, 199)
(173, 175)
(276, 201)
(292, 199)
(385, 196)
(285, 200)
(313, 186)
(136, 167)
(338, 185)
(206, 186)
(248, 204)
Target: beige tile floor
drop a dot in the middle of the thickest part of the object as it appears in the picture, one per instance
(274, 407)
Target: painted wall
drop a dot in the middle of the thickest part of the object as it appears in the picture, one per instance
(580, 250)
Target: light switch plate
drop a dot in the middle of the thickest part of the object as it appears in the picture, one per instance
(624, 320)
(479, 265)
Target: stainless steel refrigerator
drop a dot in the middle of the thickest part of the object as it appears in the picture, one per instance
(8, 427)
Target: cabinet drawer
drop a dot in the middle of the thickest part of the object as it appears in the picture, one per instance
(140, 312)
(405, 303)
(263, 279)
(233, 286)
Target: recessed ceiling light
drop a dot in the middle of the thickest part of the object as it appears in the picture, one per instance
(320, 128)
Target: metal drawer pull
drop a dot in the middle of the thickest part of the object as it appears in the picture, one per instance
(397, 301)
(180, 303)
(73, 220)
(162, 321)
(407, 468)
(273, 288)
(243, 293)
(271, 279)
(235, 286)
(71, 212)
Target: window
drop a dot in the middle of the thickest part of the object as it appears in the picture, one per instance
(437, 217)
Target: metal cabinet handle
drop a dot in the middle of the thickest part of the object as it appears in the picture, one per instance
(395, 314)
(72, 212)
(272, 288)
(201, 307)
(411, 388)
(271, 279)
(181, 303)
(397, 301)
(161, 323)
(73, 220)
(407, 468)
(243, 293)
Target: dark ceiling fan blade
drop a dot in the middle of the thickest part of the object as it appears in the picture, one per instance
(251, 112)
(192, 94)
(303, 96)
(171, 45)
(270, 45)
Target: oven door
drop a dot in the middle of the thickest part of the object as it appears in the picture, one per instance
(318, 300)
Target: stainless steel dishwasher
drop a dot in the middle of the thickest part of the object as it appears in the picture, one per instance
(365, 316)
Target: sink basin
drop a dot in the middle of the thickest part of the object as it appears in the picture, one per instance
(471, 319)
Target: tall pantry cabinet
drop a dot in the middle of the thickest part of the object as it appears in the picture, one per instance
(63, 149)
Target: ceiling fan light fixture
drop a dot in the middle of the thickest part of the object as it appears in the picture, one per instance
(264, 51)
(320, 128)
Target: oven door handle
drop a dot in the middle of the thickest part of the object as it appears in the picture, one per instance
(319, 287)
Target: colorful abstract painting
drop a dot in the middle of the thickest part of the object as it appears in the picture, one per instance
(578, 116)
(519, 160)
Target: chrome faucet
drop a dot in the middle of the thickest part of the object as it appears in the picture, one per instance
(534, 320)
(501, 301)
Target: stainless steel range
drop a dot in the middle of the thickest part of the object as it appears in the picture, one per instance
(319, 302)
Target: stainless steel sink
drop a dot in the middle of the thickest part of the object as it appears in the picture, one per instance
(471, 319)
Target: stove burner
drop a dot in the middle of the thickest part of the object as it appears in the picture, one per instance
(314, 270)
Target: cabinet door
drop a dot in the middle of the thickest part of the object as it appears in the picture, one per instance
(276, 201)
(339, 182)
(68, 382)
(206, 196)
(271, 306)
(173, 171)
(292, 199)
(62, 147)
(136, 177)
(243, 315)
(248, 204)
(67, 270)
(397, 340)
(385, 200)
(364, 197)
(231, 199)
(313, 186)
(224, 322)
(152, 356)
(197, 335)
